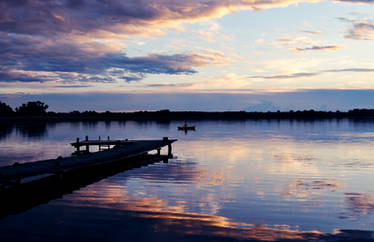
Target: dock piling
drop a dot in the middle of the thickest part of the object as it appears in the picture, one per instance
(169, 150)
(87, 146)
(78, 147)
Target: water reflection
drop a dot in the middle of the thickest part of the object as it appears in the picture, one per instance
(90, 125)
(5, 130)
(360, 203)
(174, 172)
(306, 190)
(158, 218)
(27, 129)
(33, 130)
(351, 129)
(252, 180)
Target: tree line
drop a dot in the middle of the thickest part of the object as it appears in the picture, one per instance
(26, 109)
(38, 108)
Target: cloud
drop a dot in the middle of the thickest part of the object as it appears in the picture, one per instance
(312, 45)
(11, 76)
(100, 69)
(120, 17)
(312, 32)
(309, 74)
(287, 76)
(170, 85)
(114, 16)
(320, 48)
(358, 1)
(359, 29)
(29, 59)
(351, 70)
(296, 40)
(82, 40)
(72, 86)
(211, 33)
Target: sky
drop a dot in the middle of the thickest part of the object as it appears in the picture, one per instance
(122, 55)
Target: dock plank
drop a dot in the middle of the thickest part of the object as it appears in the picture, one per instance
(122, 150)
(102, 142)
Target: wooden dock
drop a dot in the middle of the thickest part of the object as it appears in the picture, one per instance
(118, 150)
(28, 195)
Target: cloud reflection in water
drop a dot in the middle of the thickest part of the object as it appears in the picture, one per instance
(247, 180)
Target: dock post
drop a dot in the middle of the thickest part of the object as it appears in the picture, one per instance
(159, 151)
(169, 150)
(87, 146)
(99, 143)
(108, 142)
(78, 146)
(165, 160)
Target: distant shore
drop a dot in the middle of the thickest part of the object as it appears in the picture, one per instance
(166, 115)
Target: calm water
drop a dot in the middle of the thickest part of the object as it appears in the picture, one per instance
(239, 180)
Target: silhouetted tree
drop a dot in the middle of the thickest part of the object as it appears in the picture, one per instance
(75, 113)
(5, 109)
(32, 108)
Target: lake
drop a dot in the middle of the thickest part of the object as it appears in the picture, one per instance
(254, 180)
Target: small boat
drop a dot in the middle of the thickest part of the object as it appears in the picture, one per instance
(185, 127)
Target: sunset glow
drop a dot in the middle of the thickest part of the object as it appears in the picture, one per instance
(164, 46)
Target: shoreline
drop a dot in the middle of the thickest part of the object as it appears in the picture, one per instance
(166, 115)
